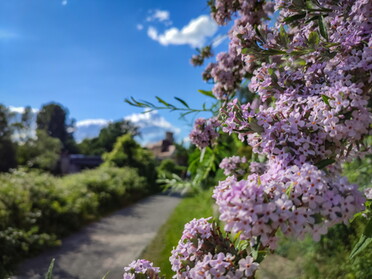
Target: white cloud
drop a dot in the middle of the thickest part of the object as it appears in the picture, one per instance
(193, 34)
(152, 33)
(64, 2)
(139, 27)
(159, 15)
(88, 122)
(21, 109)
(152, 126)
(219, 40)
(152, 118)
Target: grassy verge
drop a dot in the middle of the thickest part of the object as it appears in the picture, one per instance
(159, 250)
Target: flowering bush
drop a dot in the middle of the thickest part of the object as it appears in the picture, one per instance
(310, 77)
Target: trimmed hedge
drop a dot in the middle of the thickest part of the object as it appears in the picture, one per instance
(37, 209)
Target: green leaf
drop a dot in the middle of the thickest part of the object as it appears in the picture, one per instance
(294, 17)
(363, 242)
(326, 100)
(283, 36)
(322, 27)
(309, 4)
(259, 34)
(313, 18)
(49, 274)
(326, 162)
(368, 230)
(289, 190)
(162, 101)
(236, 236)
(245, 50)
(301, 62)
(274, 52)
(254, 253)
(182, 102)
(207, 93)
(105, 276)
(314, 38)
(202, 153)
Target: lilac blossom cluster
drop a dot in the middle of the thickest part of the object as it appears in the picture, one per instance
(296, 200)
(234, 165)
(313, 86)
(231, 67)
(141, 269)
(314, 91)
(203, 252)
(311, 78)
(256, 167)
(204, 53)
(204, 133)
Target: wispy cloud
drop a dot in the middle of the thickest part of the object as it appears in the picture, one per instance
(139, 27)
(88, 122)
(219, 40)
(152, 118)
(64, 2)
(21, 109)
(159, 15)
(194, 33)
(152, 126)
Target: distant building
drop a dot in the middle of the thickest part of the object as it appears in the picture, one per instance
(77, 162)
(164, 149)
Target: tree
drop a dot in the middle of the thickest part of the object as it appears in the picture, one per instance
(7, 147)
(107, 138)
(127, 152)
(42, 152)
(52, 118)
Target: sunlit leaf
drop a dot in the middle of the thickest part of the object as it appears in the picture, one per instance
(207, 93)
(162, 101)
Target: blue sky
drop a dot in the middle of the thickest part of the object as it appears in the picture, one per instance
(89, 55)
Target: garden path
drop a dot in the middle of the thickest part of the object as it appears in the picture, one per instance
(107, 245)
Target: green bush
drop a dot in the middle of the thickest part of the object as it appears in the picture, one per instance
(128, 153)
(167, 167)
(37, 209)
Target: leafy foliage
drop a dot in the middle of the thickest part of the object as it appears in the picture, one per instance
(107, 138)
(41, 153)
(7, 147)
(52, 118)
(127, 152)
(34, 205)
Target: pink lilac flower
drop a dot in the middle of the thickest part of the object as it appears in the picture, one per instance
(204, 133)
(196, 255)
(234, 165)
(141, 269)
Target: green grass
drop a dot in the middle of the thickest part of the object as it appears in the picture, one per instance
(159, 250)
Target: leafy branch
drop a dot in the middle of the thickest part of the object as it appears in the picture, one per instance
(185, 109)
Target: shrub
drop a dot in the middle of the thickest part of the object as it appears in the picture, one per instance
(37, 209)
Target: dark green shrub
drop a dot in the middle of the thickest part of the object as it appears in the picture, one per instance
(37, 209)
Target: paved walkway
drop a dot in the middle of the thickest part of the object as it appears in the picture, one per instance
(107, 245)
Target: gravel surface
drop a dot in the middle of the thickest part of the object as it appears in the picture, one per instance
(107, 245)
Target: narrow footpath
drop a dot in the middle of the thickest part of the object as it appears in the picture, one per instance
(107, 245)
